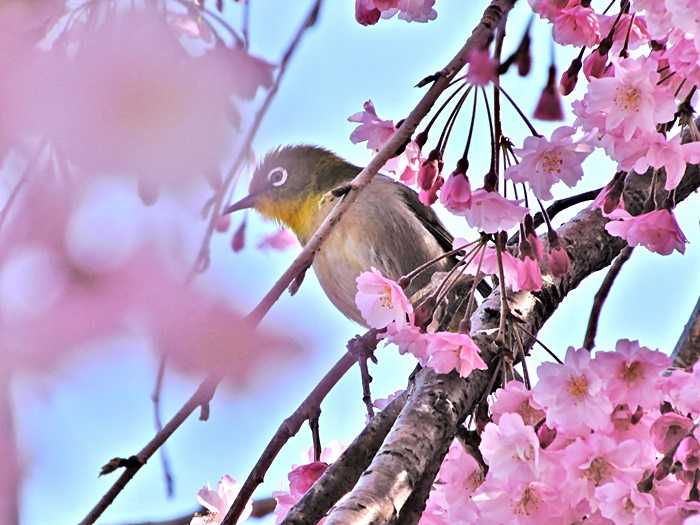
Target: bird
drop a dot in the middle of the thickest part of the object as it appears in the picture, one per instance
(386, 228)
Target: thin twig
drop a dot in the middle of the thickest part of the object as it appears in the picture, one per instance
(289, 427)
(155, 398)
(202, 395)
(602, 294)
(201, 261)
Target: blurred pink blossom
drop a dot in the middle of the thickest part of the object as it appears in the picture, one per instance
(490, 212)
(280, 240)
(449, 351)
(217, 502)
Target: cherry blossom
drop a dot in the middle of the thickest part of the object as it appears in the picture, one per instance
(511, 449)
(372, 129)
(456, 193)
(623, 504)
(630, 372)
(577, 26)
(407, 165)
(489, 264)
(449, 351)
(545, 162)
(410, 340)
(529, 274)
(300, 480)
(631, 100)
(217, 502)
(668, 431)
(381, 301)
(515, 398)
(670, 155)
(571, 394)
(656, 230)
(490, 212)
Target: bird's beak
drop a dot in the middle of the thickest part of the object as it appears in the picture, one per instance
(249, 201)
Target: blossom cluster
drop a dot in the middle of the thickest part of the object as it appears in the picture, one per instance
(609, 439)
(631, 104)
(368, 12)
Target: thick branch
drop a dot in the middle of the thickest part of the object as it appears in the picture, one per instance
(687, 349)
(340, 477)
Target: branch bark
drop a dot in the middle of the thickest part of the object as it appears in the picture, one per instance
(687, 350)
(340, 476)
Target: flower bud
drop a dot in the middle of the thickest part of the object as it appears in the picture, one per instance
(549, 105)
(238, 239)
(429, 170)
(222, 223)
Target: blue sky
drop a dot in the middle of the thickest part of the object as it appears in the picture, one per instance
(99, 407)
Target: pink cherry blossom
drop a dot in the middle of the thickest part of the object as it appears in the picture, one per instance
(417, 10)
(490, 212)
(530, 503)
(429, 197)
(372, 129)
(684, 15)
(688, 453)
(381, 301)
(161, 115)
(410, 340)
(529, 274)
(572, 394)
(545, 162)
(515, 398)
(459, 473)
(429, 171)
(407, 165)
(594, 460)
(280, 240)
(217, 502)
(456, 193)
(684, 58)
(577, 26)
(668, 430)
(638, 32)
(657, 18)
(625, 505)
(449, 351)
(489, 264)
(630, 373)
(238, 237)
(657, 231)
(482, 68)
(511, 449)
(670, 155)
(549, 9)
(300, 480)
(631, 100)
(558, 261)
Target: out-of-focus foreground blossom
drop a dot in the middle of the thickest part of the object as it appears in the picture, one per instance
(79, 269)
(125, 96)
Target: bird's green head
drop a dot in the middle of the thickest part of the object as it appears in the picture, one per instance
(289, 183)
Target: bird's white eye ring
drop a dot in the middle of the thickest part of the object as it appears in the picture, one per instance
(277, 176)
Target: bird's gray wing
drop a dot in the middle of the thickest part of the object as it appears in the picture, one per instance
(427, 216)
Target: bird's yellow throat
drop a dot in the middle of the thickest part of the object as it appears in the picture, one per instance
(298, 214)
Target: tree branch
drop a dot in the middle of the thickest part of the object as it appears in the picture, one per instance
(602, 295)
(343, 473)
(687, 350)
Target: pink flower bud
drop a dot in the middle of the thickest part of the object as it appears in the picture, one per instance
(595, 65)
(456, 193)
(222, 223)
(302, 477)
(428, 171)
(238, 239)
(559, 262)
(549, 105)
(365, 12)
(148, 191)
